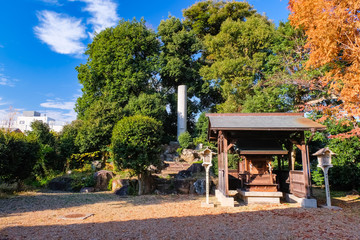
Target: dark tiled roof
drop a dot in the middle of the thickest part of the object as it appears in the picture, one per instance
(262, 121)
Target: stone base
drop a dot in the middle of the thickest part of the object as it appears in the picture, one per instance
(260, 197)
(331, 207)
(207, 205)
(224, 200)
(305, 202)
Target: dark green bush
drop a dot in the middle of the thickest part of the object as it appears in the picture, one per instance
(67, 137)
(185, 140)
(136, 144)
(318, 177)
(18, 155)
(346, 171)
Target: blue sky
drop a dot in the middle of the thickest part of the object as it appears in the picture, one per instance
(42, 41)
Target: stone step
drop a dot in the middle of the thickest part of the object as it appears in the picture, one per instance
(167, 172)
(176, 168)
(179, 165)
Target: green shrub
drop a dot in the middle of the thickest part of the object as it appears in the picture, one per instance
(79, 160)
(136, 144)
(18, 155)
(346, 171)
(185, 140)
(318, 177)
(81, 180)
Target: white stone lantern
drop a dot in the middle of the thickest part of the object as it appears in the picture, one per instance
(324, 162)
(206, 157)
(324, 157)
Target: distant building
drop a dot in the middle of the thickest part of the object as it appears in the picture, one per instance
(23, 122)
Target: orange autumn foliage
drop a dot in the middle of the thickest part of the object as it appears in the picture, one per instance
(333, 31)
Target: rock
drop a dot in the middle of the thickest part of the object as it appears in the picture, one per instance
(196, 168)
(173, 146)
(87, 189)
(123, 191)
(182, 186)
(119, 183)
(95, 165)
(164, 186)
(189, 155)
(62, 183)
(169, 151)
(199, 146)
(200, 186)
(102, 179)
(183, 174)
(192, 187)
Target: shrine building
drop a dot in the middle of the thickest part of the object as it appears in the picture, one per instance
(258, 140)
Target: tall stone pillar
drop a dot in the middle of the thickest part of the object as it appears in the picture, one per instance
(181, 109)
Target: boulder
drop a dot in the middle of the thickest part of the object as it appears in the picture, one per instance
(196, 168)
(119, 183)
(164, 186)
(182, 186)
(200, 186)
(189, 155)
(102, 179)
(123, 191)
(87, 189)
(173, 146)
(199, 146)
(183, 174)
(62, 183)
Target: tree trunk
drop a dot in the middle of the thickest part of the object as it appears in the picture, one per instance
(145, 181)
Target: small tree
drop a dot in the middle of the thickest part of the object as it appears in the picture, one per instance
(185, 139)
(136, 144)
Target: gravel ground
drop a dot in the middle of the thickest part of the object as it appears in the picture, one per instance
(35, 215)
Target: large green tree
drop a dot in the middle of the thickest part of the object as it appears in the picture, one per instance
(122, 63)
(237, 58)
(206, 17)
(179, 65)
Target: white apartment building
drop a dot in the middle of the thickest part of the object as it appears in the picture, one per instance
(23, 122)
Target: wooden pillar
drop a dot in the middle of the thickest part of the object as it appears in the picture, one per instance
(306, 167)
(309, 173)
(226, 167)
(219, 161)
(293, 158)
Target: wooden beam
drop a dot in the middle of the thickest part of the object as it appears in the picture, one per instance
(230, 146)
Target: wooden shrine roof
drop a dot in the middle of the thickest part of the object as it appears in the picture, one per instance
(261, 122)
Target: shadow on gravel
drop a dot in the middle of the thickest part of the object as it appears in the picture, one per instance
(51, 200)
(292, 223)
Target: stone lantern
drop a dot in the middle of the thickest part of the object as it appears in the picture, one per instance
(206, 156)
(324, 162)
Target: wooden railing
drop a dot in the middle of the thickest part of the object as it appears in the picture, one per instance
(297, 183)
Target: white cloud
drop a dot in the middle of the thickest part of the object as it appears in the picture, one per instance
(58, 104)
(1, 102)
(66, 112)
(53, 2)
(103, 14)
(6, 80)
(62, 117)
(62, 33)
